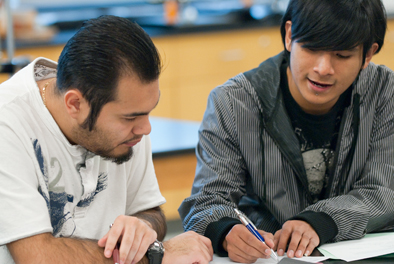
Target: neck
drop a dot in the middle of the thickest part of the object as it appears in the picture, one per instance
(55, 105)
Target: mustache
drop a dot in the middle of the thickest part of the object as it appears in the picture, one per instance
(132, 139)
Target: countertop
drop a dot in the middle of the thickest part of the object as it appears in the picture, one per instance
(212, 16)
(67, 22)
(173, 137)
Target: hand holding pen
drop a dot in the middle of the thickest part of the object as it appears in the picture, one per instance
(252, 228)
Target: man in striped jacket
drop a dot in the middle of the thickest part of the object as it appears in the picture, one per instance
(303, 144)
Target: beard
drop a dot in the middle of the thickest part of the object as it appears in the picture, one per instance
(98, 142)
(116, 159)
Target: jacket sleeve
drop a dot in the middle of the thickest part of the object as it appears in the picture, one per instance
(220, 173)
(364, 201)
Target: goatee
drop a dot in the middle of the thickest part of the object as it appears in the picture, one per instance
(119, 159)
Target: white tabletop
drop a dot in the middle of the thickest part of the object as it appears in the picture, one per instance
(219, 260)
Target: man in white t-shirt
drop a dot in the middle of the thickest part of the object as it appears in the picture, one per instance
(75, 155)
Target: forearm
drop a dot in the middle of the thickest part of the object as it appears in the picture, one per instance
(83, 251)
(45, 248)
(355, 217)
(156, 219)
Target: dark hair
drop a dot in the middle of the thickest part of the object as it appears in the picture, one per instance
(99, 54)
(336, 24)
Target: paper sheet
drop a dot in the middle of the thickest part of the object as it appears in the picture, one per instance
(372, 245)
(219, 260)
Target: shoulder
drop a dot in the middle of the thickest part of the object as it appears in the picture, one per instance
(236, 93)
(265, 77)
(238, 84)
(376, 76)
(23, 83)
(376, 80)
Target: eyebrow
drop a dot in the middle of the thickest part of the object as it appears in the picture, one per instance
(351, 50)
(143, 113)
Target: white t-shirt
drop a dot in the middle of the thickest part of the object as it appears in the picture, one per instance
(49, 185)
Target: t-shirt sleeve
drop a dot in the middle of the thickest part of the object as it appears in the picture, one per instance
(24, 210)
(143, 189)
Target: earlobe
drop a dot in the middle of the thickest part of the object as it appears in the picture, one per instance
(288, 36)
(370, 54)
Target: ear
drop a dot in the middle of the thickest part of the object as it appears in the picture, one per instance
(288, 35)
(76, 106)
(369, 54)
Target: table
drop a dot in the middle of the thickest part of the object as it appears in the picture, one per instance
(379, 260)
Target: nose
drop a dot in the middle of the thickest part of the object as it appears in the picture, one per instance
(143, 127)
(324, 64)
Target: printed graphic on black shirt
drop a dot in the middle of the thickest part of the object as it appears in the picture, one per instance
(318, 161)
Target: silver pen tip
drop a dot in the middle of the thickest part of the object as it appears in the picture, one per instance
(273, 255)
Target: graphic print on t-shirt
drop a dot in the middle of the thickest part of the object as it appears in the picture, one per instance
(317, 161)
(56, 197)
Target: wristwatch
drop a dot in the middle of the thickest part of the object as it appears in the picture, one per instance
(155, 252)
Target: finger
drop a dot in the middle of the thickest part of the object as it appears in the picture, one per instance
(276, 239)
(102, 241)
(302, 246)
(238, 251)
(311, 246)
(294, 242)
(253, 246)
(267, 235)
(245, 250)
(206, 252)
(283, 240)
(128, 245)
(208, 245)
(243, 243)
(146, 241)
(112, 239)
(203, 245)
(268, 238)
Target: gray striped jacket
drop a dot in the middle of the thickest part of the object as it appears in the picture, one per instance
(249, 157)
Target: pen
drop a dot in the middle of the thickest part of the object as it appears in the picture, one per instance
(115, 253)
(252, 228)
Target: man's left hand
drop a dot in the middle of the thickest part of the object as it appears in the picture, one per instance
(299, 235)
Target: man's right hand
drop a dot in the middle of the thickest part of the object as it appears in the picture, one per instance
(243, 246)
(188, 248)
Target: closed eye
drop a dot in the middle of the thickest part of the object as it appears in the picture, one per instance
(341, 56)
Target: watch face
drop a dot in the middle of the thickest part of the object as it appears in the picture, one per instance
(156, 247)
(155, 252)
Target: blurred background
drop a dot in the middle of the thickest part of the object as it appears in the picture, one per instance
(203, 43)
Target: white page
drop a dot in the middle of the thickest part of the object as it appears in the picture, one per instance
(372, 245)
(219, 260)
